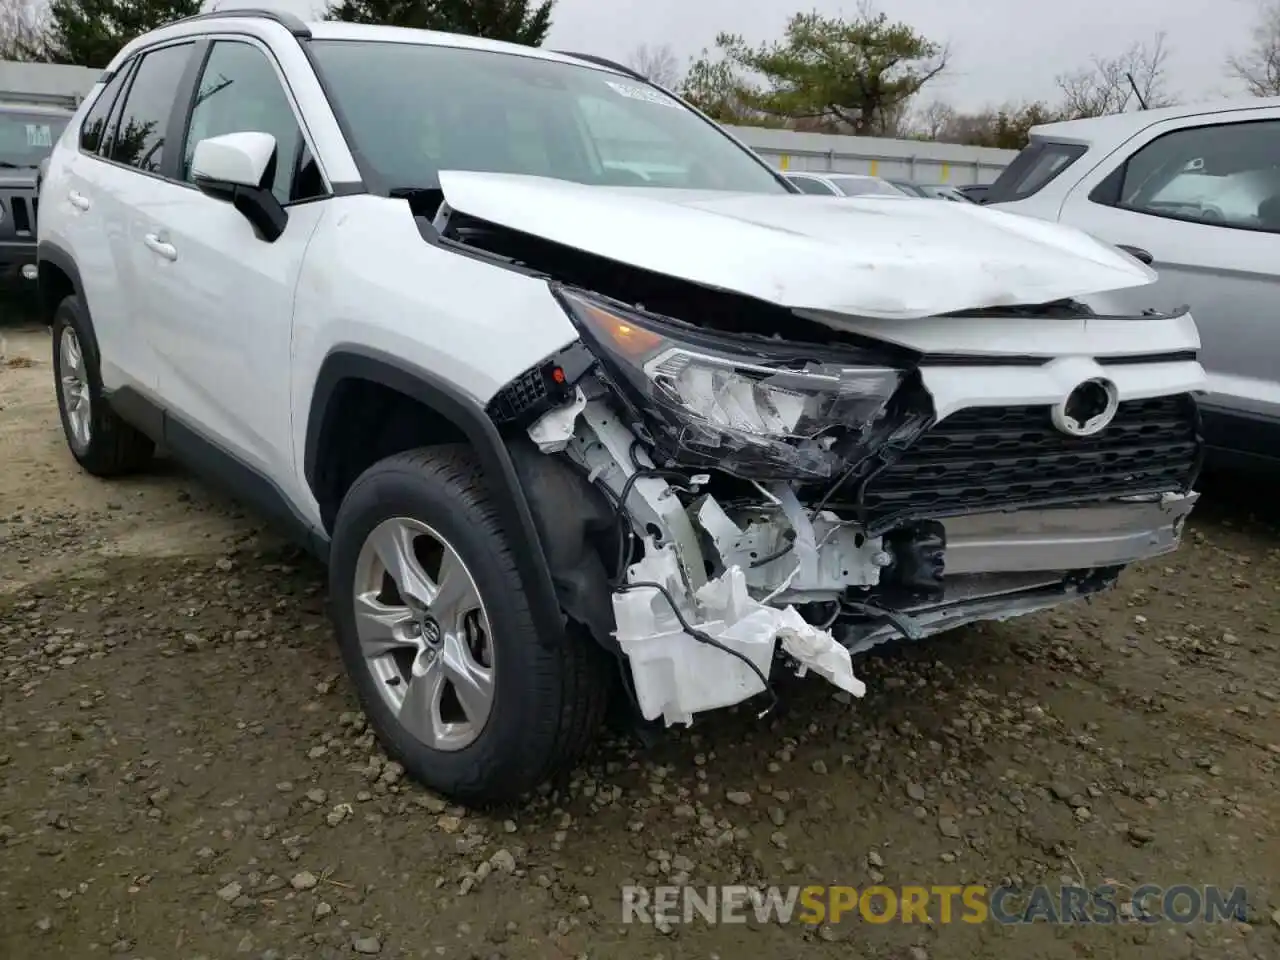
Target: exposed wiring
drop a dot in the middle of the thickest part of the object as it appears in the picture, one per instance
(904, 624)
(830, 621)
(703, 637)
(790, 536)
(625, 531)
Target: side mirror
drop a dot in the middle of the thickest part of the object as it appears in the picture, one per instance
(239, 168)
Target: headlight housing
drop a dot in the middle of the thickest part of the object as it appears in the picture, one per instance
(752, 410)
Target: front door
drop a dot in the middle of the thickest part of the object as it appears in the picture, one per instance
(220, 298)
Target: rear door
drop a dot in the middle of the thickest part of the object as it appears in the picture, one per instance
(73, 224)
(105, 192)
(1201, 195)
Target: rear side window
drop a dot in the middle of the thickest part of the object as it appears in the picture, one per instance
(809, 185)
(95, 123)
(1031, 170)
(144, 121)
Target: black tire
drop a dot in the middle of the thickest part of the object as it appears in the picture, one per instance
(113, 447)
(550, 694)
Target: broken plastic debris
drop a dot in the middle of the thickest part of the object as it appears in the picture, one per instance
(554, 429)
(819, 651)
(676, 675)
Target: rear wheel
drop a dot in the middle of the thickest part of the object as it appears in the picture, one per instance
(100, 441)
(438, 638)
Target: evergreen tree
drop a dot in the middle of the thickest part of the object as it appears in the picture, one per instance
(90, 32)
(517, 21)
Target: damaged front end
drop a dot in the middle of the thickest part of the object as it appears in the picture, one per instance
(713, 504)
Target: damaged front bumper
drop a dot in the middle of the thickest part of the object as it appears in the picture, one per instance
(961, 493)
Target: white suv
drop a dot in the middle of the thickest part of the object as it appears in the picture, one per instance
(560, 433)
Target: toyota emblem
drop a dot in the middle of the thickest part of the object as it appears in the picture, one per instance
(1088, 409)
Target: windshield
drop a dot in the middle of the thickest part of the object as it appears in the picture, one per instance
(416, 109)
(861, 186)
(27, 138)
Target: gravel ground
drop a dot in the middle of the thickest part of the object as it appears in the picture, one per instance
(184, 774)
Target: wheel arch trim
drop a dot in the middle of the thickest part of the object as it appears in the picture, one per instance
(357, 362)
(49, 252)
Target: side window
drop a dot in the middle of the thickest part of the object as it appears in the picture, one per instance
(1033, 169)
(95, 122)
(1227, 175)
(240, 92)
(809, 185)
(138, 137)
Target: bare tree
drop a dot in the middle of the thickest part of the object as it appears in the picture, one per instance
(1259, 66)
(930, 122)
(1135, 78)
(22, 29)
(658, 64)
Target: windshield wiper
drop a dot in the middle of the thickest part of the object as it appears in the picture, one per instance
(6, 165)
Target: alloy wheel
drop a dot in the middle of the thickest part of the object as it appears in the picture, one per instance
(74, 386)
(424, 633)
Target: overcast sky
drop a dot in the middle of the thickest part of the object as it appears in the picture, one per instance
(1002, 50)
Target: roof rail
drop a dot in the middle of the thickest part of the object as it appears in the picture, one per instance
(602, 62)
(287, 20)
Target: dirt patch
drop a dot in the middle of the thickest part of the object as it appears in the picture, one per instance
(183, 772)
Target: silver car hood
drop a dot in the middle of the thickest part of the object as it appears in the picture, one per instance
(878, 257)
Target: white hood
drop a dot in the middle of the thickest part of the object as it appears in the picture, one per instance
(884, 257)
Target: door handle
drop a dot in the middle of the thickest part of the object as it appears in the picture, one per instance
(78, 200)
(156, 245)
(1137, 253)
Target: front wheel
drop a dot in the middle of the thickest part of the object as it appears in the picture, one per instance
(437, 635)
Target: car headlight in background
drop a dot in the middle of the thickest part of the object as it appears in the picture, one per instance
(713, 401)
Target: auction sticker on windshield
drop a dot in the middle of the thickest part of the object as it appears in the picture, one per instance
(642, 93)
(39, 135)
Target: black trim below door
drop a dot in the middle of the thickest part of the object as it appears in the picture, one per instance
(210, 461)
(1240, 440)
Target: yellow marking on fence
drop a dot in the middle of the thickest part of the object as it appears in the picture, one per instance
(875, 167)
(946, 172)
(784, 162)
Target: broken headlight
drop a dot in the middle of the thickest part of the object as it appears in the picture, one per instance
(750, 408)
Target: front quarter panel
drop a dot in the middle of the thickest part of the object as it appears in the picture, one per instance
(370, 280)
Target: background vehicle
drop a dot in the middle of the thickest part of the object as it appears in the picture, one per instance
(27, 135)
(1195, 192)
(931, 191)
(843, 184)
(977, 192)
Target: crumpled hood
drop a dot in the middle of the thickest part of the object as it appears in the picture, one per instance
(885, 257)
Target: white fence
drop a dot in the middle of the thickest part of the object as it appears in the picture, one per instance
(51, 83)
(920, 160)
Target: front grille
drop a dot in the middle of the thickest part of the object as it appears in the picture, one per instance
(22, 211)
(24, 216)
(1000, 458)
